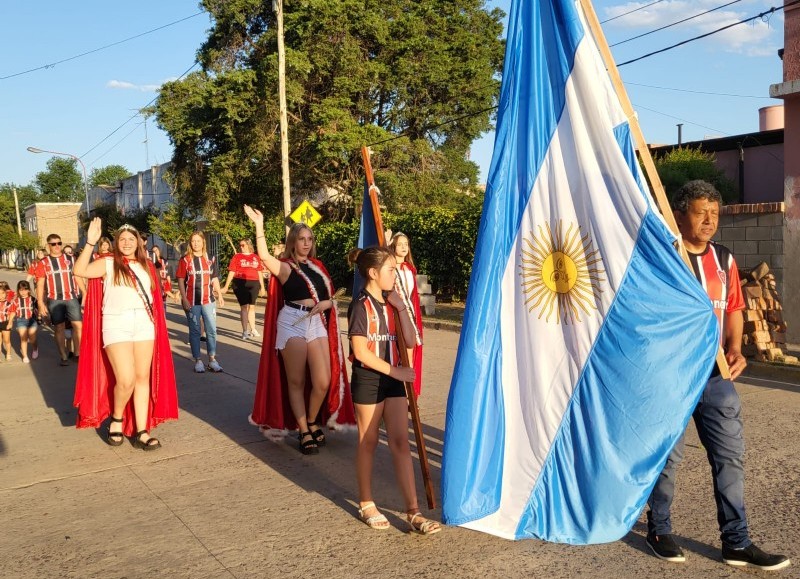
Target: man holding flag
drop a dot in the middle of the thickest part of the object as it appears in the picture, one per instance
(717, 416)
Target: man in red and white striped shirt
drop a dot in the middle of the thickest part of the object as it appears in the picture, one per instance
(59, 293)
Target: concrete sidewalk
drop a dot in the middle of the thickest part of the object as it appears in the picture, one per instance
(220, 500)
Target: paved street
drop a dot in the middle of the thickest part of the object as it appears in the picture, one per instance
(220, 500)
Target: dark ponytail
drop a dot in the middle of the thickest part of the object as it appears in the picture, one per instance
(366, 259)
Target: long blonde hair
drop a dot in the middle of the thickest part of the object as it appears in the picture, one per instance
(291, 241)
(201, 235)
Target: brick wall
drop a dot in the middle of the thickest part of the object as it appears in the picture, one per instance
(754, 233)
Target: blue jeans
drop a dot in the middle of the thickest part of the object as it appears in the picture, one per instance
(209, 315)
(719, 425)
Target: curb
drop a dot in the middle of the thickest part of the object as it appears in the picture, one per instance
(772, 370)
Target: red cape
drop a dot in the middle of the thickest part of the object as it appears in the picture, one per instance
(271, 408)
(94, 386)
(414, 297)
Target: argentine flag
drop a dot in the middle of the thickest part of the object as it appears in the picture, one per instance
(586, 340)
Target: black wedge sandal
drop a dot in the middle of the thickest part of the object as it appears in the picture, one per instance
(309, 446)
(317, 435)
(149, 444)
(114, 438)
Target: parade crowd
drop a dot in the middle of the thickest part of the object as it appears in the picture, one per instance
(107, 309)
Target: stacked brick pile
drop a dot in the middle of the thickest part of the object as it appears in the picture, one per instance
(764, 336)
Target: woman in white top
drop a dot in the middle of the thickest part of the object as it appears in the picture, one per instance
(128, 326)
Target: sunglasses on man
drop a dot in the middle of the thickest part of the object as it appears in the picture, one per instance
(56, 243)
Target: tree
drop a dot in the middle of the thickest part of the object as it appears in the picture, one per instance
(681, 165)
(60, 182)
(174, 226)
(10, 239)
(358, 72)
(108, 175)
(113, 218)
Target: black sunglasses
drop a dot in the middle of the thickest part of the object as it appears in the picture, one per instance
(56, 243)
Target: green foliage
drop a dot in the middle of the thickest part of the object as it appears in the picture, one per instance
(60, 182)
(358, 72)
(442, 242)
(334, 240)
(108, 175)
(26, 195)
(10, 239)
(113, 218)
(681, 165)
(174, 225)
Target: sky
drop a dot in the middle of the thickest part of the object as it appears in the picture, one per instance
(52, 98)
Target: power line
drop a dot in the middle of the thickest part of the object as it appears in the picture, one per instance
(115, 145)
(108, 136)
(761, 15)
(630, 11)
(743, 96)
(673, 24)
(62, 61)
(680, 119)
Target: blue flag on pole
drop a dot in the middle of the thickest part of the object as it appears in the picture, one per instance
(586, 341)
(367, 234)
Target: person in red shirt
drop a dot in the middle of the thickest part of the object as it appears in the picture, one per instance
(717, 414)
(31, 273)
(162, 267)
(198, 284)
(246, 272)
(7, 311)
(58, 293)
(26, 313)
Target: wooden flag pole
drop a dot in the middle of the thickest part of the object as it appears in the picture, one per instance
(641, 146)
(410, 394)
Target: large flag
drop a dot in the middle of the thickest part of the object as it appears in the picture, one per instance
(367, 234)
(586, 340)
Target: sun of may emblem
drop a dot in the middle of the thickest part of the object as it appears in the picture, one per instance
(560, 273)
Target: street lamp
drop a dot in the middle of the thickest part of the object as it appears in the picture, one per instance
(78, 159)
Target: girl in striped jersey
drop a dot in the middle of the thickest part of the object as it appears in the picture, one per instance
(198, 284)
(6, 320)
(377, 383)
(25, 321)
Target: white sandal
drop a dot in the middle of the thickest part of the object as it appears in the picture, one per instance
(378, 522)
(427, 527)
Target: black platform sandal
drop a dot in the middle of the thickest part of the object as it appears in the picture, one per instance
(317, 435)
(114, 438)
(150, 444)
(309, 446)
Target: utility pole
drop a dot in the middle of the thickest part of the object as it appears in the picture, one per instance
(277, 6)
(16, 207)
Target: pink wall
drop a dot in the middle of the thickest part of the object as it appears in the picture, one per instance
(763, 172)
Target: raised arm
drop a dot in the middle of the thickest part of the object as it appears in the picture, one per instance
(275, 266)
(83, 267)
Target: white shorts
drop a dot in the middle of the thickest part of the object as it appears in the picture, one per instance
(129, 326)
(308, 329)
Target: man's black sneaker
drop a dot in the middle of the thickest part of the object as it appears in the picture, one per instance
(752, 556)
(664, 547)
